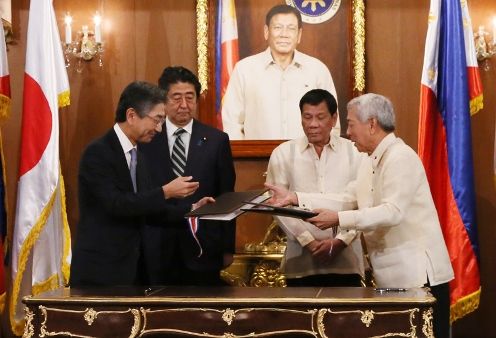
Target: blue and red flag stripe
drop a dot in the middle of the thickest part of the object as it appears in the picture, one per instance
(194, 226)
(226, 51)
(450, 81)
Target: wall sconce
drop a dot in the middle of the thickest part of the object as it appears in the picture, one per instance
(86, 45)
(485, 45)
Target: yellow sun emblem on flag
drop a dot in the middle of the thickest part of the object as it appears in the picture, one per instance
(313, 4)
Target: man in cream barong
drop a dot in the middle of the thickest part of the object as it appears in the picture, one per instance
(311, 166)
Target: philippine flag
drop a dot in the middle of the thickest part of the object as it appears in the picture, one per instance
(450, 91)
(226, 51)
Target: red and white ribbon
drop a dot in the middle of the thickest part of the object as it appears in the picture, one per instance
(194, 225)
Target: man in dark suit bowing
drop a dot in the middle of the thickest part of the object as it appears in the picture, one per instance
(115, 194)
(175, 254)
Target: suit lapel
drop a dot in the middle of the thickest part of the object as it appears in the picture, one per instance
(120, 159)
(195, 149)
(165, 154)
(141, 173)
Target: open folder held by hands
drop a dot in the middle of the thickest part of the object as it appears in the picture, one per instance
(289, 211)
(229, 205)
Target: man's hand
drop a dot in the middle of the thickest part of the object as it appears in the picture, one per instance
(328, 249)
(281, 196)
(202, 202)
(312, 246)
(180, 187)
(325, 219)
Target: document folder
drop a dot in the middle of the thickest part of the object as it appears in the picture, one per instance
(228, 205)
(294, 212)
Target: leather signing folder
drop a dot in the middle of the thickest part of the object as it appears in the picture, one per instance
(229, 205)
(290, 211)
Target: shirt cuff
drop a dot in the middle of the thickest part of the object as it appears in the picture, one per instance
(347, 220)
(303, 200)
(305, 238)
(346, 236)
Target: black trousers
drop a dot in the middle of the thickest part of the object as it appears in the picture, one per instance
(331, 279)
(188, 277)
(441, 310)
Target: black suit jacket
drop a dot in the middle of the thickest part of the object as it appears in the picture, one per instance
(108, 241)
(210, 163)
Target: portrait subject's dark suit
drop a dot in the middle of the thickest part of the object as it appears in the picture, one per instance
(210, 163)
(108, 245)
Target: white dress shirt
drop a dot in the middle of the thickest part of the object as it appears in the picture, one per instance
(262, 99)
(125, 143)
(295, 165)
(397, 215)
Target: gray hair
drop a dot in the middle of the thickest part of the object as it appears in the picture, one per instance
(374, 106)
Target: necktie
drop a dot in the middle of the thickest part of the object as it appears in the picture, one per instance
(178, 155)
(132, 167)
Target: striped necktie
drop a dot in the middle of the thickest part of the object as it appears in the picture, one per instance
(178, 155)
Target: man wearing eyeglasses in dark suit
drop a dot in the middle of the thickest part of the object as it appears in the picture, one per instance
(175, 254)
(115, 194)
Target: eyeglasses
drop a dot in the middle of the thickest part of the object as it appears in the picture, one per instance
(178, 98)
(159, 121)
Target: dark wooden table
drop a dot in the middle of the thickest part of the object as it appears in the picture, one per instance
(230, 312)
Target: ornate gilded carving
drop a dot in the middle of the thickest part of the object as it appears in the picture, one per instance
(90, 315)
(274, 241)
(241, 271)
(232, 279)
(427, 328)
(359, 45)
(228, 316)
(266, 273)
(367, 317)
(202, 42)
(143, 312)
(28, 328)
(43, 331)
(265, 248)
(259, 265)
(320, 322)
(137, 323)
(413, 328)
(315, 319)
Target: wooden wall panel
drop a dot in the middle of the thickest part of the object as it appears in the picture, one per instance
(162, 38)
(394, 50)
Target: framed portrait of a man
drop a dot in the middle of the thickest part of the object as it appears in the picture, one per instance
(285, 49)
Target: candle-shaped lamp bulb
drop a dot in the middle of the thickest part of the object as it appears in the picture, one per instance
(68, 29)
(97, 19)
(494, 31)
